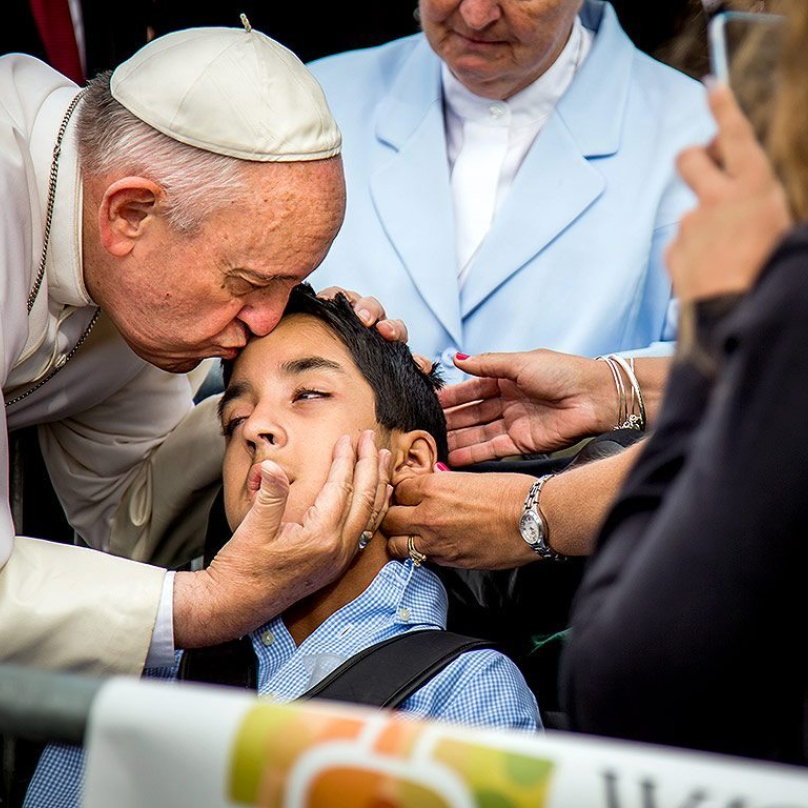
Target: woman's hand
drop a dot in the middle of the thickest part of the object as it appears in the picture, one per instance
(460, 519)
(742, 211)
(536, 401)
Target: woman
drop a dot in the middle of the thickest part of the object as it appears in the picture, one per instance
(688, 628)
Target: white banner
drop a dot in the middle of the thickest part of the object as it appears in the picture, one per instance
(158, 744)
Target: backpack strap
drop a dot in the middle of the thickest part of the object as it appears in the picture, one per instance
(388, 673)
(232, 663)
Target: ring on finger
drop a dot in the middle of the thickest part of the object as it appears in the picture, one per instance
(364, 539)
(417, 558)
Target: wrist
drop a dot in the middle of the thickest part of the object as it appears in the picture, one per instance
(533, 525)
(512, 508)
(208, 611)
(605, 397)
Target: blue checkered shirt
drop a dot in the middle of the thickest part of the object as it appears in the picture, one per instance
(480, 688)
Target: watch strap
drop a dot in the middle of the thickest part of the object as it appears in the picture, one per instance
(541, 546)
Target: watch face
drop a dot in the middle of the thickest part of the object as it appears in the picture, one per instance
(529, 527)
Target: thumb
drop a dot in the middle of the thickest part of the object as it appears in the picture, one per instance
(271, 486)
(491, 365)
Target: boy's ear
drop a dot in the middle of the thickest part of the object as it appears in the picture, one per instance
(413, 453)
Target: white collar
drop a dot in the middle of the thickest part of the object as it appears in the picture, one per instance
(65, 275)
(529, 106)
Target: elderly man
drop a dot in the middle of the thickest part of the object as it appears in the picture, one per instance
(153, 220)
(510, 177)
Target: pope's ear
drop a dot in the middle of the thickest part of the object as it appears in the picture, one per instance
(413, 453)
(127, 210)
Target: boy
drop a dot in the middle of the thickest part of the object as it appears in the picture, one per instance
(291, 398)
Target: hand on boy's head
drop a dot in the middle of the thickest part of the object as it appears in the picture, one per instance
(371, 313)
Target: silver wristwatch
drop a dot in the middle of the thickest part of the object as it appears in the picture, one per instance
(532, 525)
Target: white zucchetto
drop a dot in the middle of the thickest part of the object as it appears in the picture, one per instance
(230, 91)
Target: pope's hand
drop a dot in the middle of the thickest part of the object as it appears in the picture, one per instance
(270, 564)
(371, 312)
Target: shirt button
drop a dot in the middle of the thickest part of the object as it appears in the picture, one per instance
(496, 111)
(267, 638)
(404, 615)
(447, 356)
(344, 632)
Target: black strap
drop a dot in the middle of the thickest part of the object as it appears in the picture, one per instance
(232, 663)
(384, 675)
(388, 673)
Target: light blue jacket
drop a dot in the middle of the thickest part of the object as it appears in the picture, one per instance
(574, 259)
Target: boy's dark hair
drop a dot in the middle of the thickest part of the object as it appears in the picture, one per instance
(405, 396)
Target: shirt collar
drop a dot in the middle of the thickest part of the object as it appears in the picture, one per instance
(400, 594)
(65, 277)
(531, 105)
(64, 263)
(399, 599)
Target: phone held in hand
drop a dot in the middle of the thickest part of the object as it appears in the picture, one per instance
(744, 53)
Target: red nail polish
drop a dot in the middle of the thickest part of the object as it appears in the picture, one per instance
(441, 467)
(461, 356)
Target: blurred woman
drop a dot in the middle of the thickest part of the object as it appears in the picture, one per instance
(689, 625)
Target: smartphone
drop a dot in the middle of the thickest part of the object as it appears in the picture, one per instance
(745, 53)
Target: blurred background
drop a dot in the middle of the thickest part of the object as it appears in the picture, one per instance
(111, 34)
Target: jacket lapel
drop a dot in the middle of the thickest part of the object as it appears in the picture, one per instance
(411, 189)
(557, 182)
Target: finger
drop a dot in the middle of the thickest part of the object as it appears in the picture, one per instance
(479, 414)
(393, 330)
(365, 481)
(476, 435)
(493, 365)
(700, 171)
(736, 143)
(398, 547)
(714, 152)
(383, 492)
(271, 486)
(465, 392)
(410, 491)
(368, 310)
(400, 520)
(424, 365)
(332, 291)
(330, 508)
(499, 447)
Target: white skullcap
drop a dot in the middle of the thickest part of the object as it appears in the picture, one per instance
(230, 91)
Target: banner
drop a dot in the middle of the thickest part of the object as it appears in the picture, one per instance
(159, 744)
